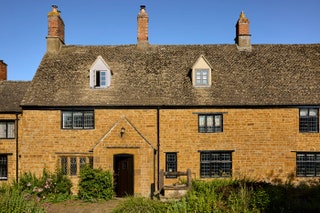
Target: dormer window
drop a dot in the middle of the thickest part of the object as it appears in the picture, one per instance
(100, 74)
(201, 73)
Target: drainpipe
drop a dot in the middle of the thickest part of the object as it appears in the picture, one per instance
(158, 143)
(17, 148)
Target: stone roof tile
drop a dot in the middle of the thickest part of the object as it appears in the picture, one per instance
(11, 94)
(160, 75)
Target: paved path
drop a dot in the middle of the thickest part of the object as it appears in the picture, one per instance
(76, 206)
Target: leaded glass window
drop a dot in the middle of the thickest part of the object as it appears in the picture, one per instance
(3, 167)
(215, 164)
(171, 163)
(7, 129)
(77, 120)
(308, 120)
(73, 166)
(82, 162)
(308, 164)
(210, 123)
(64, 165)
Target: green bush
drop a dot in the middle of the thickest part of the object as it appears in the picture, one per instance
(226, 195)
(95, 184)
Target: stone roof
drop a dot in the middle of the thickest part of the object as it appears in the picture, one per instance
(160, 75)
(11, 94)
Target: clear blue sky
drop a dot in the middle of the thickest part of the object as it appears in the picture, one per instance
(112, 22)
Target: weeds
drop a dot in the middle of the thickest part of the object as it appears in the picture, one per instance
(12, 200)
(226, 195)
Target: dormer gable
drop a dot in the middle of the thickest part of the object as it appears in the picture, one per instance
(201, 72)
(100, 74)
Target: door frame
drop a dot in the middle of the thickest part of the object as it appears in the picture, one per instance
(127, 161)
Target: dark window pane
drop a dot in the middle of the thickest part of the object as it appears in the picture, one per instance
(308, 164)
(67, 119)
(88, 119)
(73, 166)
(82, 162)
(3, 167)
(215, 164)
(210, 123)
(308, 120)
(7, 129)
(171, 164)
(78, 120)
(64, 165)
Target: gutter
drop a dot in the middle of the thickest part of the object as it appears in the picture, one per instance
(158, 145)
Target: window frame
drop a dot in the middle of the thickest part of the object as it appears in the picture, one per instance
(171, 164)
(77, 119)
(3, 167)
(210, 122)
(7, 129)
(101, 79)
(308, 164)
(97, 81)
(209, 165)
(72, 165)
(202, 80)
(308, 123)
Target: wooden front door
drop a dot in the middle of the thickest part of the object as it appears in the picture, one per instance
(123, 177)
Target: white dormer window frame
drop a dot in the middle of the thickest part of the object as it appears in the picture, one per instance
(100, 74)
(201, 73)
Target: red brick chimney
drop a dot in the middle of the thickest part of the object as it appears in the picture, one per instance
(242, 33)
(143, 20)
(3, 71)
(55, 38)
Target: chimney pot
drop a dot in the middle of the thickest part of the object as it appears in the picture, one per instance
(242, 33)
(55, 38)
(143, 20)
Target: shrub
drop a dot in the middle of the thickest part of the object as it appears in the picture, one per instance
(225, 195)
(51, 187)
(95, 184)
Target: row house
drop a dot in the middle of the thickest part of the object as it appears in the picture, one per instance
(220, 110)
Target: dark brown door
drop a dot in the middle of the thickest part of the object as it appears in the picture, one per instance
(123, 179)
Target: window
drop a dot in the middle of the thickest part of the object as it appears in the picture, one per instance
(101, 79)
(82, 162)
(201, 72)
(3, 167)
(215, 164)
(202, 77)
(308, 164)
(64, 165)
(77, 120)
(171, 164)
(7, 129)
(100, 74)
(71, 165)
(308, 120)
(210, 123)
